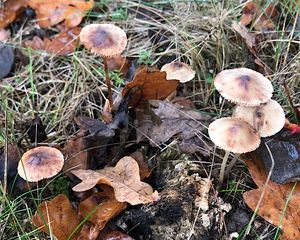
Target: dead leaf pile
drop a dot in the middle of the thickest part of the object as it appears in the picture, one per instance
(173, 120)
(280, 203)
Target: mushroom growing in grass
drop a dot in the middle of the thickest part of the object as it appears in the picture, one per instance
(233, 135)
(105, 40)
(243, 86)
(267, 118)
(40, 163)
(178, 71)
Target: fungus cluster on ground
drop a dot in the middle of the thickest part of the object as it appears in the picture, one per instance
(255, 115)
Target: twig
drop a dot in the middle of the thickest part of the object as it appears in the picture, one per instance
(287, 92)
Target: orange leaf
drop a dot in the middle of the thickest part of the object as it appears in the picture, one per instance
(50, 13)
(124, 178)
(57, 215)
(102, 205)
(11, 9)
(63, 43)
(276, 196)
(149, 83)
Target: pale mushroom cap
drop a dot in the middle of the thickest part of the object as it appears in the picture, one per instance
(244, 86)
(103, 39)
(178, 71)
(40, 163)
(234, 135)
(267, 118)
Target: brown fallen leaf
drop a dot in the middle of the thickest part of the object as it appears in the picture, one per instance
(101, 207)
(144, 169)
(276, 198)
(10, 11)
(76, 155)
(124, 178)
(62, 44)
(177, 121)
(119, 63)
(59, 216)
(244, 33)
(149, 83)
(89, 231)
(50, 13)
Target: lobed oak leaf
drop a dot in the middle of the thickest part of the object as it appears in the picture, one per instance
(124, 178)
(101, 207)
(149, 83)
(50, 13)
(63, 43)
(58, 217)
(276, 198)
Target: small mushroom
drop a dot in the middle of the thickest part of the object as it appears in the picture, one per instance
(178, 71)
(243, 86)
(40, 163)
(233, 135)
(105, 40)
(267, 118)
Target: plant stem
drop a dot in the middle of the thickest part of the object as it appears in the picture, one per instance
(223, 166)
(107, 80)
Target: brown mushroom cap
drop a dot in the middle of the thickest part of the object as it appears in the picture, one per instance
(267, 118)
(244, 86)
(39, 163)
(178, 71)
(234, 135)
(103, 39)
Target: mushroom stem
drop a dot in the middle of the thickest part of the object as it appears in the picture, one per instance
(223, 166)
(108, 83)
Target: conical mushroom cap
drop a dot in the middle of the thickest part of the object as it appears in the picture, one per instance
(40, 163)
(267, 118)
(178, 71)
(234, 135)
(103, 39)
(244, 86)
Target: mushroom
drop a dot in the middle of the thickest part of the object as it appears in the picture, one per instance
(243, 86)
(233, 135)
(178, 71)
(40, 163)
(267, 118)
(105, 40)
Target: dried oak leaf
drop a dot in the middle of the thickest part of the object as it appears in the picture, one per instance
(177, 121)
(124, 178)
(275, 199)
(149, 83)
(101, 207)
(62, 44)
(58, 217)
(76, 155)
(50, 13)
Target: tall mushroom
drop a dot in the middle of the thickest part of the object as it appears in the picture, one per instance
(105, 40)
(40, 163)
(233, 135)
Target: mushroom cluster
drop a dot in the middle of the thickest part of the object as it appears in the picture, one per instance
(255, 115)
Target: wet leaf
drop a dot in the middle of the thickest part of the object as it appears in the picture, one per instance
(275, 199)
(180, 122)
(124, 178)
(76, 156)
(101, 207)
(89, 231)
(50, 13)
(63, 43)
(149, 83)
(57, 215)
(7, 59)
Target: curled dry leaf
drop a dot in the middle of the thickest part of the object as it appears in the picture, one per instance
(76, 156)
(50, 13)
(149, 83)
(101, 207)
(276, 198)
(124, 178)
(63, 43)
(58, 216)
